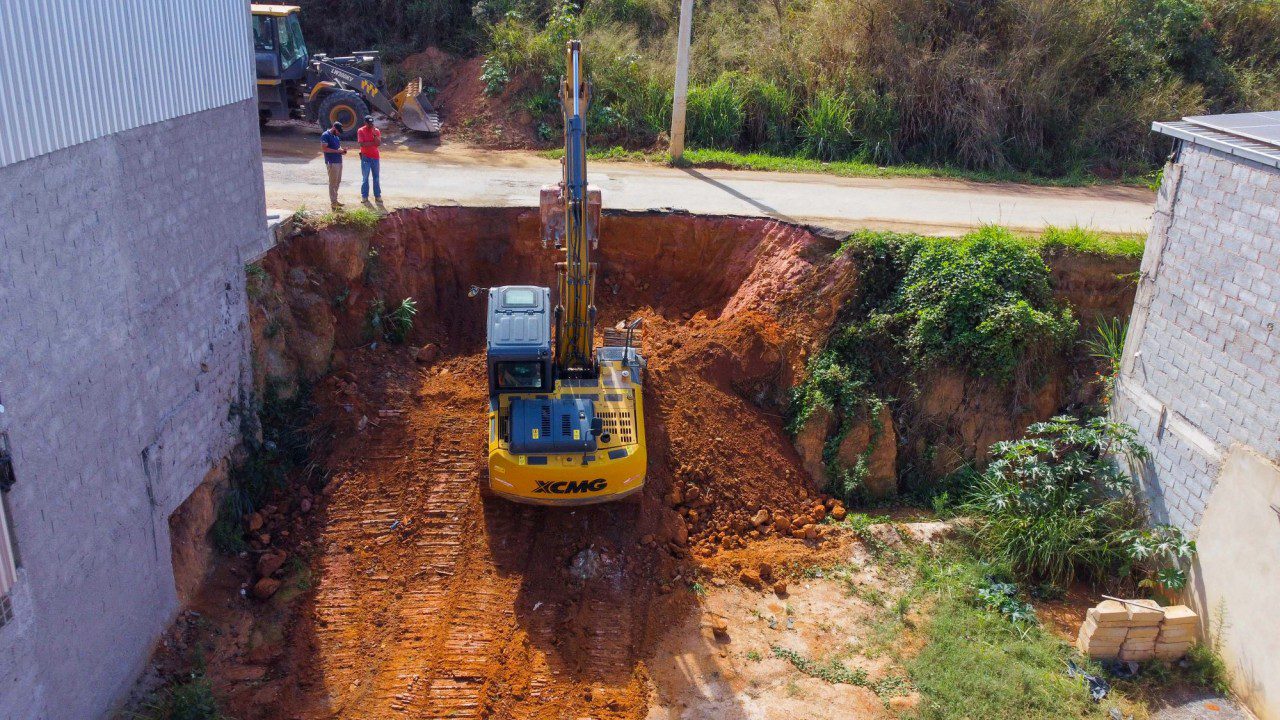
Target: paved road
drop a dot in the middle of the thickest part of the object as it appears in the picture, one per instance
(416, 173)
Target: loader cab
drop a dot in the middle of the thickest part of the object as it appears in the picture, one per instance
(280, 59)
(279, 48)
(519, 340)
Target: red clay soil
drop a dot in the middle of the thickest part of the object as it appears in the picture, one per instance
(469, 113)
(428, 601)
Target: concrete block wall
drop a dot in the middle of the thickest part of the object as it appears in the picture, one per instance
(1200, 381)
(123, 346)
(1202, 365)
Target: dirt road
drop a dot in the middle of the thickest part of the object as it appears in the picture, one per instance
(416, 172)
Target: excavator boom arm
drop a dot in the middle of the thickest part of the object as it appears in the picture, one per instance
(576, 311)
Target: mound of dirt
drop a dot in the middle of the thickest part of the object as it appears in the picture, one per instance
(496, 123)
(433, 65)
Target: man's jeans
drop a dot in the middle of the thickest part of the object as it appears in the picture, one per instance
(369, 165)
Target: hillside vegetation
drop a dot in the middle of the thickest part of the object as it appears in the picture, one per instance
(1051, 87)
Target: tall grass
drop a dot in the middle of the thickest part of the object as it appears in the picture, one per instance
(715, 114)
(827, 127)
(1050, 87)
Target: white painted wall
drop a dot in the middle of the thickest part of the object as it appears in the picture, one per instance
(1236, 579)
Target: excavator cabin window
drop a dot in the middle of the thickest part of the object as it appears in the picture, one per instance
(520, 375)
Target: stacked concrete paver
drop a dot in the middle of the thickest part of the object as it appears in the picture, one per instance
(1137, 631)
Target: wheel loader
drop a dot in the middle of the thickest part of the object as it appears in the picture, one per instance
(326, 89)
(566, 420)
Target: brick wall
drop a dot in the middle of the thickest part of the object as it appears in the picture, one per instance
(123, 345)
(1205, 329)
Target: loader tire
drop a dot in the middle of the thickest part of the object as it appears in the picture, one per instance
(343, 106)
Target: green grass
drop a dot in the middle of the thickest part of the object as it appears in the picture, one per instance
(973, 662)
(732, 160)
(360, 217)
(1092, 242)
(192, 699)
(976, 664)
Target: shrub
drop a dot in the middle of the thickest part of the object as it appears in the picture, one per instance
(715, 115)
(191, 699)
(982, 303)
(1002, 597)
(1054, 506)
(1107, 345)
(392, 325)
(494, 75)
(826, 127)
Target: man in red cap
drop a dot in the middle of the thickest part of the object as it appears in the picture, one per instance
(369, 138)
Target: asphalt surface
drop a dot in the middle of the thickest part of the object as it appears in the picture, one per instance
(417, 172)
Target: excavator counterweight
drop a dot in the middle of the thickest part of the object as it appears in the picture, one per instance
(566, 420)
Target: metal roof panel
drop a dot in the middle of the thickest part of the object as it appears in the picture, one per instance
(1197, 130)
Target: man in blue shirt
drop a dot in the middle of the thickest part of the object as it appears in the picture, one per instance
(331, 144)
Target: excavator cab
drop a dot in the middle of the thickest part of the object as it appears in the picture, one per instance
(566, 420)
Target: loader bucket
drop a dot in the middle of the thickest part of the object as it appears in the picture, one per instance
(415, 110)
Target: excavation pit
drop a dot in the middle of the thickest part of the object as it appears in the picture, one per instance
(424, 600)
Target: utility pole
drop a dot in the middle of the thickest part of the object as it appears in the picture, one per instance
(682, 80)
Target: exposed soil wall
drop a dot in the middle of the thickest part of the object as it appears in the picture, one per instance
(190, 547)
(734, 305)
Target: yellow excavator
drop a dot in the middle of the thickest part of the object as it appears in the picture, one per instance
(566, 427)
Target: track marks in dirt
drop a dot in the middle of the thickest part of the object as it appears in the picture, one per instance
(430, 603)
(402, 630)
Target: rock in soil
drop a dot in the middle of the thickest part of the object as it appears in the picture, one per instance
(265, 588)
(585, 565)
(426, 354)
(270, 562)
(719, 626)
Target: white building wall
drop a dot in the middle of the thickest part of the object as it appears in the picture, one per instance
(85, 69)
(1200, 381)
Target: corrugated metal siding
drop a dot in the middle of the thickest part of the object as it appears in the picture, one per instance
(1259, 152)
(75, 70)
